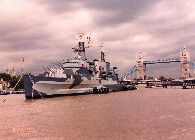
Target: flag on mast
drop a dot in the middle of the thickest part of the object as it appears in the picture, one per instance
(22, 59)
(22, 63)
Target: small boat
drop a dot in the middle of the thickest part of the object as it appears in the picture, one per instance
(5, 92)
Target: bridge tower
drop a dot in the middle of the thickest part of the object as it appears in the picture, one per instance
(185, 63)
(141, 67)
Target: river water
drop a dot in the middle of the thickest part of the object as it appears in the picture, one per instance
(143, 114)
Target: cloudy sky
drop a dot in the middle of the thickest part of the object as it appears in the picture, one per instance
(42, 31)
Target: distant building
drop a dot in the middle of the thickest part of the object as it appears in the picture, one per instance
(4, 84)
(7, 71)
(13, 72)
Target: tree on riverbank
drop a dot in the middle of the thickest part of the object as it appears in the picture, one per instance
(13, 80)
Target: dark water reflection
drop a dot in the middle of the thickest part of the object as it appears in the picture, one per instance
(144, 114)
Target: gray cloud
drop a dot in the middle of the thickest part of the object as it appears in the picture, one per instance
(60, 6)
(107, 12)
(118, 11)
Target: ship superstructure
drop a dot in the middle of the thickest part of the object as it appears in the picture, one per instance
(76, 75)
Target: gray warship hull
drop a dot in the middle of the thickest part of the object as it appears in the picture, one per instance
(40, 86)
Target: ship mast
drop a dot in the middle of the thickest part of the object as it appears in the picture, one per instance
(102, 53)
(79, 51)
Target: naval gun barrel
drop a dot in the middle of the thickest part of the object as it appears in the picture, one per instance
(45, 70)
(60, 65)
(50, 70)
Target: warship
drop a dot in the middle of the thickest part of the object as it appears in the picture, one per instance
(76, 75)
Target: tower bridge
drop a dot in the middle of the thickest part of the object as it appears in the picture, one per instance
(141, 63)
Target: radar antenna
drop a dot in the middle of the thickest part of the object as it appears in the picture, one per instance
(102, 52)
(82, 39)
